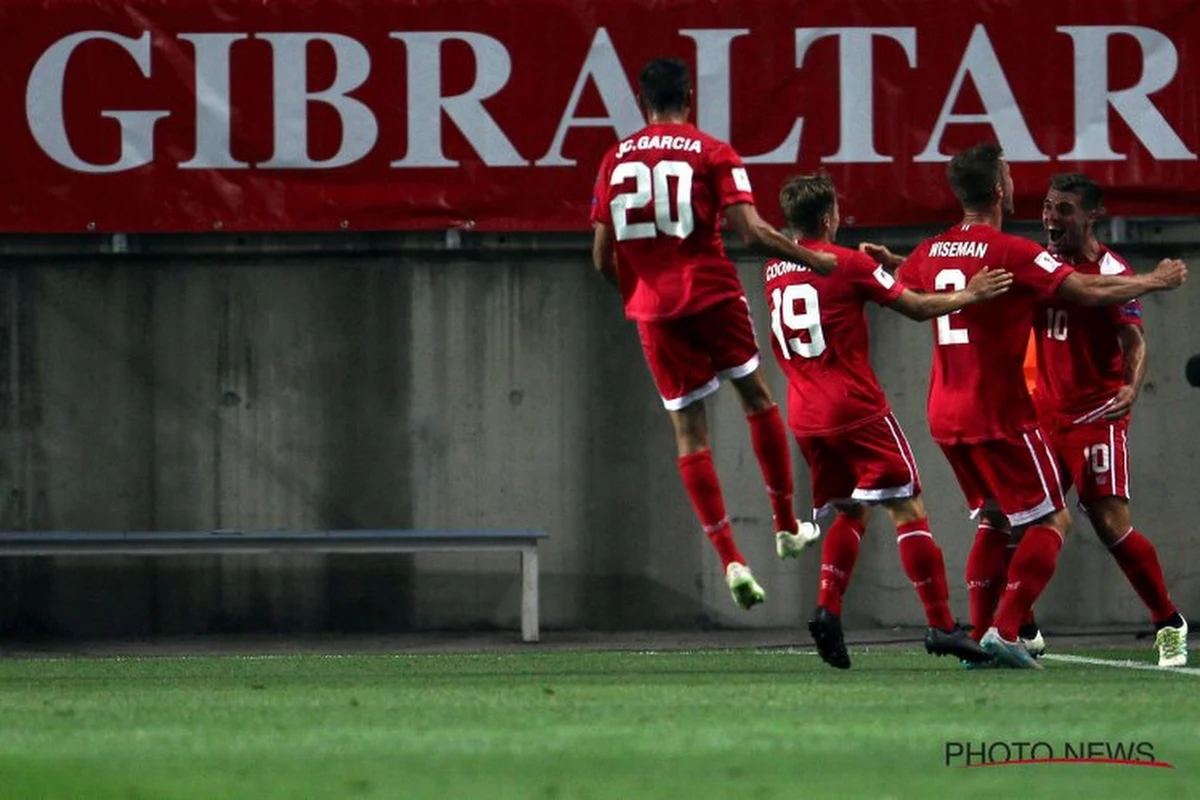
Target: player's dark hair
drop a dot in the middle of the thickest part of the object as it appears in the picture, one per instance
(805, 199)
(974, 174)
(1090, 195)
(665, 85)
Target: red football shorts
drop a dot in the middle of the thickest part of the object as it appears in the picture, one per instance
(870, 463)
(1094, 457)
(689, 355)
(1019, 476)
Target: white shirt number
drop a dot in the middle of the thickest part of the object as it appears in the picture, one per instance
(954, 280)
(653, 186)
(786, 321)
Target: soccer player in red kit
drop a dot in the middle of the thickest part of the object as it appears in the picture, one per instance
(980, 411)
(855, 448)
(1091, 365)
(656, 212)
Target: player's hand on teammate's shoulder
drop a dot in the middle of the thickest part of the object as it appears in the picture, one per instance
(882, 254)
(825, 262)
(989, 283)
(1171, 272)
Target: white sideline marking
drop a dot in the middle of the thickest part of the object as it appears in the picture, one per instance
(1106, 662)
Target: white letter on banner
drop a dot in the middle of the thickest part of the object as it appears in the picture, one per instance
(1000, 109)
(1092, 95)
(44, 105)
(712, 77)
(352, 65)
(856, 117)
(212, 101)
(604, 67)
(493, 66)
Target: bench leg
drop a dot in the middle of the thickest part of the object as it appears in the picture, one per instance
(529, 594)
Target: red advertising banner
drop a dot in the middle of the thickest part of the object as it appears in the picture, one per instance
(187, 115)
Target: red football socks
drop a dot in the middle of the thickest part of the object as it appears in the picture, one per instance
(839, 552)
(1139, 561)
(770, 441)
(926, 568)
(1031, 569)
(985, 576)
(700, 479)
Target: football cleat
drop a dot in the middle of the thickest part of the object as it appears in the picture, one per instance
(1008, 654)
(826, 630)
(1172, 645)
(957, 643)
(791, 545)
(746, 591)
(1035, 644)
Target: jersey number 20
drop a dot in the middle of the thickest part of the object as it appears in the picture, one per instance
(786, 321)
(653, 186)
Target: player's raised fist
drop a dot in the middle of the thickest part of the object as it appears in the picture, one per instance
(881, 254)
(1172, 272)
(989, 283)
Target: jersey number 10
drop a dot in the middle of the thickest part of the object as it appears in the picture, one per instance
(653, 186)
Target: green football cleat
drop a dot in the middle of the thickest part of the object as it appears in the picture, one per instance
(746, 591)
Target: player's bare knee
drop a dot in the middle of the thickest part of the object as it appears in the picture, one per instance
(1110, 519)
(903, 510)
(856, 511)
(754, 392)
(1059, 520)
(691, 428)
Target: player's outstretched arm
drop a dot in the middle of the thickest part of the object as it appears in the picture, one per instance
(603, 253)
(984, 285)
(761, 236)
(1111, 290)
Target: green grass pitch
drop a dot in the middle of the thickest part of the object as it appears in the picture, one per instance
(722, 724)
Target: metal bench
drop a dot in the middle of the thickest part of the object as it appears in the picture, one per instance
(173, 543)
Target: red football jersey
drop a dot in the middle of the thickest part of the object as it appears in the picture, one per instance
(662, 191)
(1080, 364)
(977, 392)
(819, 334)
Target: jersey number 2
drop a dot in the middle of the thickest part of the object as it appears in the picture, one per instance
(785, 319)
(954, 280)
(653, 186)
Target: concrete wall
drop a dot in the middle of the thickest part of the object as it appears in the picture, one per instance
(201, 384)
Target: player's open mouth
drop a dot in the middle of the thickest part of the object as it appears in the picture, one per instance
(1055, 233)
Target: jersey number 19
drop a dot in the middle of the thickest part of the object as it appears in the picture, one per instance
(787, 322)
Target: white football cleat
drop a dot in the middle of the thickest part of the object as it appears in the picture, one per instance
(1172, 645)
(791, 545)
(1036, 646)
(746, 591)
